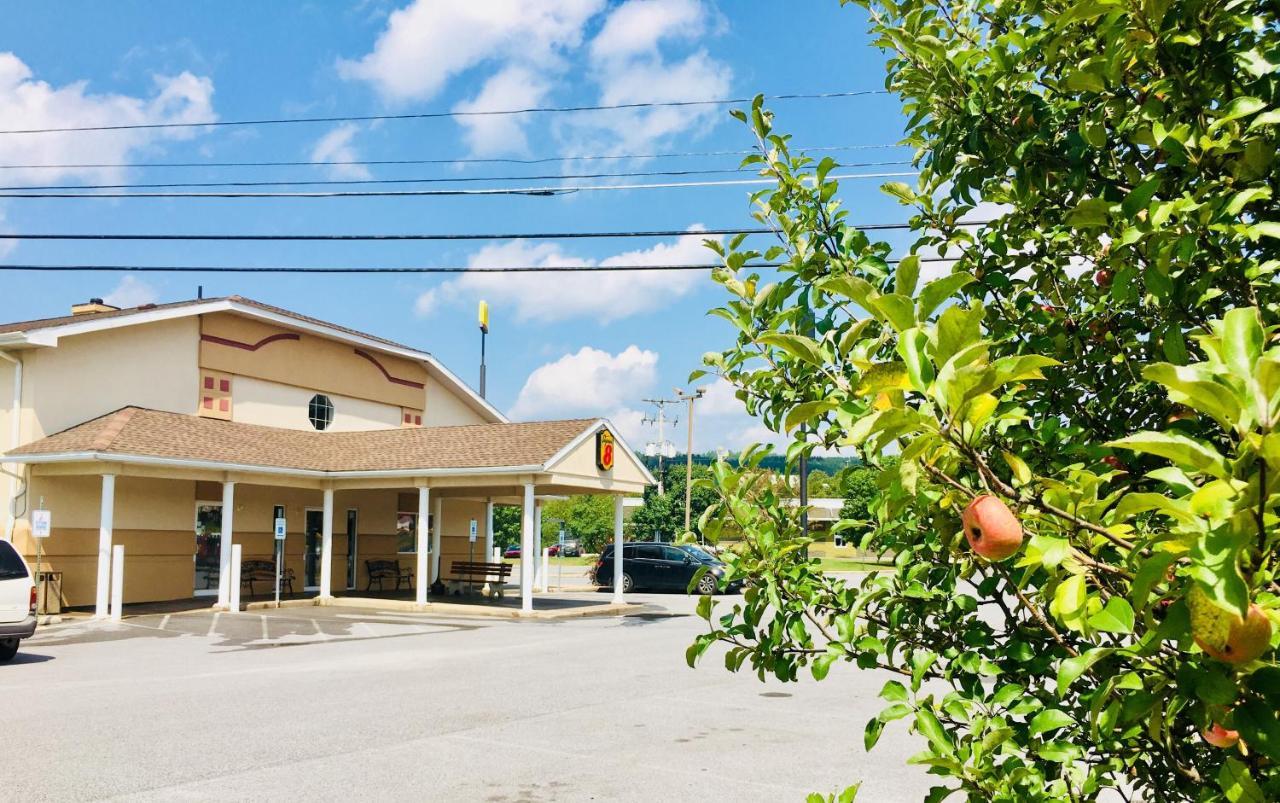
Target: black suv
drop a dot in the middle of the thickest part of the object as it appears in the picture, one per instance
(654, 565)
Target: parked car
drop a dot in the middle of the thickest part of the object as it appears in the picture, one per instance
(553, 550)
(654, 565)
(571, 548)
(17, 601)
(512, 552)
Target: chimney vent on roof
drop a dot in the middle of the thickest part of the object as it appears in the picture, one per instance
(91, 306)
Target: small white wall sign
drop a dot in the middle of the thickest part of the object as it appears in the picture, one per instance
(41, 523)
(280, 529)
(474, 530)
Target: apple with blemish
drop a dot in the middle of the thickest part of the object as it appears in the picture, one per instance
(1219, 736)
(991, 528)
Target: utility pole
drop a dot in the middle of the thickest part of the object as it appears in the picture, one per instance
(661, 447)
(688, 452)
(484, 332)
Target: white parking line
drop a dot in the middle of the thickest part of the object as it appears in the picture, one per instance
(265, 635)
(164, 622)
(213, 626)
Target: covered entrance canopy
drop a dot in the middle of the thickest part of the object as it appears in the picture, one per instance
(501, 463)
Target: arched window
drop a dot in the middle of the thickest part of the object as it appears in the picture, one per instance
(320, 411)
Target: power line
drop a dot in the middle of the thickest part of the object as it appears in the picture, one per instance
(376, 162)
(532, 191)
(436, 115)
(563, 235)
(367, 270)
(427, 180)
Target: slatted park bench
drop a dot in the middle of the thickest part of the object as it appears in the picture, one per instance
(380, 570)
(473, 573)
(264, 571)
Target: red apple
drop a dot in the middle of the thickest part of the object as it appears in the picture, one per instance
(991, 528)
(1103, 277)
(1114, 462)
(1219, 736)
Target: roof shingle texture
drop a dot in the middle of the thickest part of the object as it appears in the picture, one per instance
(153, 433)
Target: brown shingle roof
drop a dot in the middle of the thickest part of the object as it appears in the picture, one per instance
(63, 320)
(152, 433)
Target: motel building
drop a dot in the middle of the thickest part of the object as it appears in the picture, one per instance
(179, 430)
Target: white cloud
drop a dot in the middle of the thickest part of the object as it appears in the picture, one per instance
(336, 146)
(132, 292)
(430, 41)
(515, 87)
(586, 383)
(602, 296)
(637, 27)
(184, 98)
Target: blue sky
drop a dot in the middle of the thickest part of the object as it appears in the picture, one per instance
(560, 346)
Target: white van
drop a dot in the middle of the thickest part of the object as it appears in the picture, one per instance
(17, 601)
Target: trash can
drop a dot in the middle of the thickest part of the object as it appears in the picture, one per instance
(49, 593)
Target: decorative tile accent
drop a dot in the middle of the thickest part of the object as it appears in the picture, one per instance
(215, 396)
(411, 418)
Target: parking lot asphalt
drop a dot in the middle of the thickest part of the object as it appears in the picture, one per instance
(343, 704)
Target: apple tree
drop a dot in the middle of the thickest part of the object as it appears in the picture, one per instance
(1082, 400)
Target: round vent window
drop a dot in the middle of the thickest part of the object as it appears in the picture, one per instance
(320, 410)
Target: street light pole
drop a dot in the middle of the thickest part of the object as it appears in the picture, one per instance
(688, 453)
(484, 332)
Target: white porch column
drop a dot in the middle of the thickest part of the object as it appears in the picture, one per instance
(437, 525)
(539, 581)
(424, 510)
(488, 529)
(528, 557)
(326, 546)
(617, 549)
(117, 582)
(224, 550)
(106, 522)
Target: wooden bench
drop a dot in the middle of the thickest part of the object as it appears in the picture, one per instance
(252, 571)
(380, 570)
(473, 573)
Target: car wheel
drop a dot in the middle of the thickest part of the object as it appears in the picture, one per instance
(708, 585)
(8, 649)
(628, 585)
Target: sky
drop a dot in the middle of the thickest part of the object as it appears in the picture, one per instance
(559, 345)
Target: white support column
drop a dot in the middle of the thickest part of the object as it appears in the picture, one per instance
(437, 526)
(488, 529)
(227, 538)
(326, 546)
(539, 581)
(233, 604)
(117, 582)
(106, 522)
(527, 555)
(424, 510)
(617, 549)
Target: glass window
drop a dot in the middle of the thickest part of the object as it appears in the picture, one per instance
(671, 553)
(649, 552)
(628, 553)
(407, 532)
(320, 411)
(11, 565)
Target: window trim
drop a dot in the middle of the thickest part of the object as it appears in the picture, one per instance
(324, 404)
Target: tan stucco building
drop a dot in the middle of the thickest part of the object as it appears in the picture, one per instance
(177, 430)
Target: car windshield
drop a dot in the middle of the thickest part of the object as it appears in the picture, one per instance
(701, 554)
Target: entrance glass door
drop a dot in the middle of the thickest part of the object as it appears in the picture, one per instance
(352, 517)
(208, 556)
(315, 543)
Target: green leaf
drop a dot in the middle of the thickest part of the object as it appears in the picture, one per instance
(1183, 451)
(1240, 107)
(912, 345)
(1050, 719)
(1242, 339)
(872, 733)
(1084, 81)
(1115, 617)
(932, 729)
(1139, 197)
(907, 274)
(897, 310)
(894, 692)
(1090, 213)
(808, 411)
(899, 190)
(1193, 386)
(797, 346)
(939, 290)
(1072, 668)
(1237, 784)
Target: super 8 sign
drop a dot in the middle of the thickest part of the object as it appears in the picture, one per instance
(604, 450)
